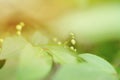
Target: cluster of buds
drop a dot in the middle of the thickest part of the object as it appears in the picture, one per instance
(19, 28)
(71, 42)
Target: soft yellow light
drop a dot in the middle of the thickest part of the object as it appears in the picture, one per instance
(19, 33)
(22, 24)
(55, 39)
(72, 48)
(1, 40)
(73, 41)
(19, 27)
(59, 43)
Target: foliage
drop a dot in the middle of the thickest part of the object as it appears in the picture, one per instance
(28, 62)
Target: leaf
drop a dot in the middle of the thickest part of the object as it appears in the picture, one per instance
(97, 24)
(34, 64)
(83, 71)
(62, 54)
(106, 50)
(117, 59)
(101, 63)
(8, 71)
(12, 46)
(37, 38)
(2, 62)
(95, 68)
(118, 70)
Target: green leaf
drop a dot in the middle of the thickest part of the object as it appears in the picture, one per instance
(94, 68)
(37, 38)
(108, 50)
(8, 71)
(117, 60)
(100, 62)
(83, 71)
(100, 23)
(2, 62)
(62, 54)
(118, 70)
(12, 46)
(34, 63)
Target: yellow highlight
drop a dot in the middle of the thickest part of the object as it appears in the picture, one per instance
(19, 33)
(59, 43)
(1, 40)
(22, 24)
(55, 39)
(72, 48)
(73, 41)
(72, 35)
(19, 27)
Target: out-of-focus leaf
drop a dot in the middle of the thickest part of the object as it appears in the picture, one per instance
(86, 4)
(83, 71)
(37, 38)
(117, 59)
(62, 54)
(101, 63)
(108, 50)
(12, 46)
(8, 71)
(97, 24)
(34, 64)
(118, 70)
(2, 62)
